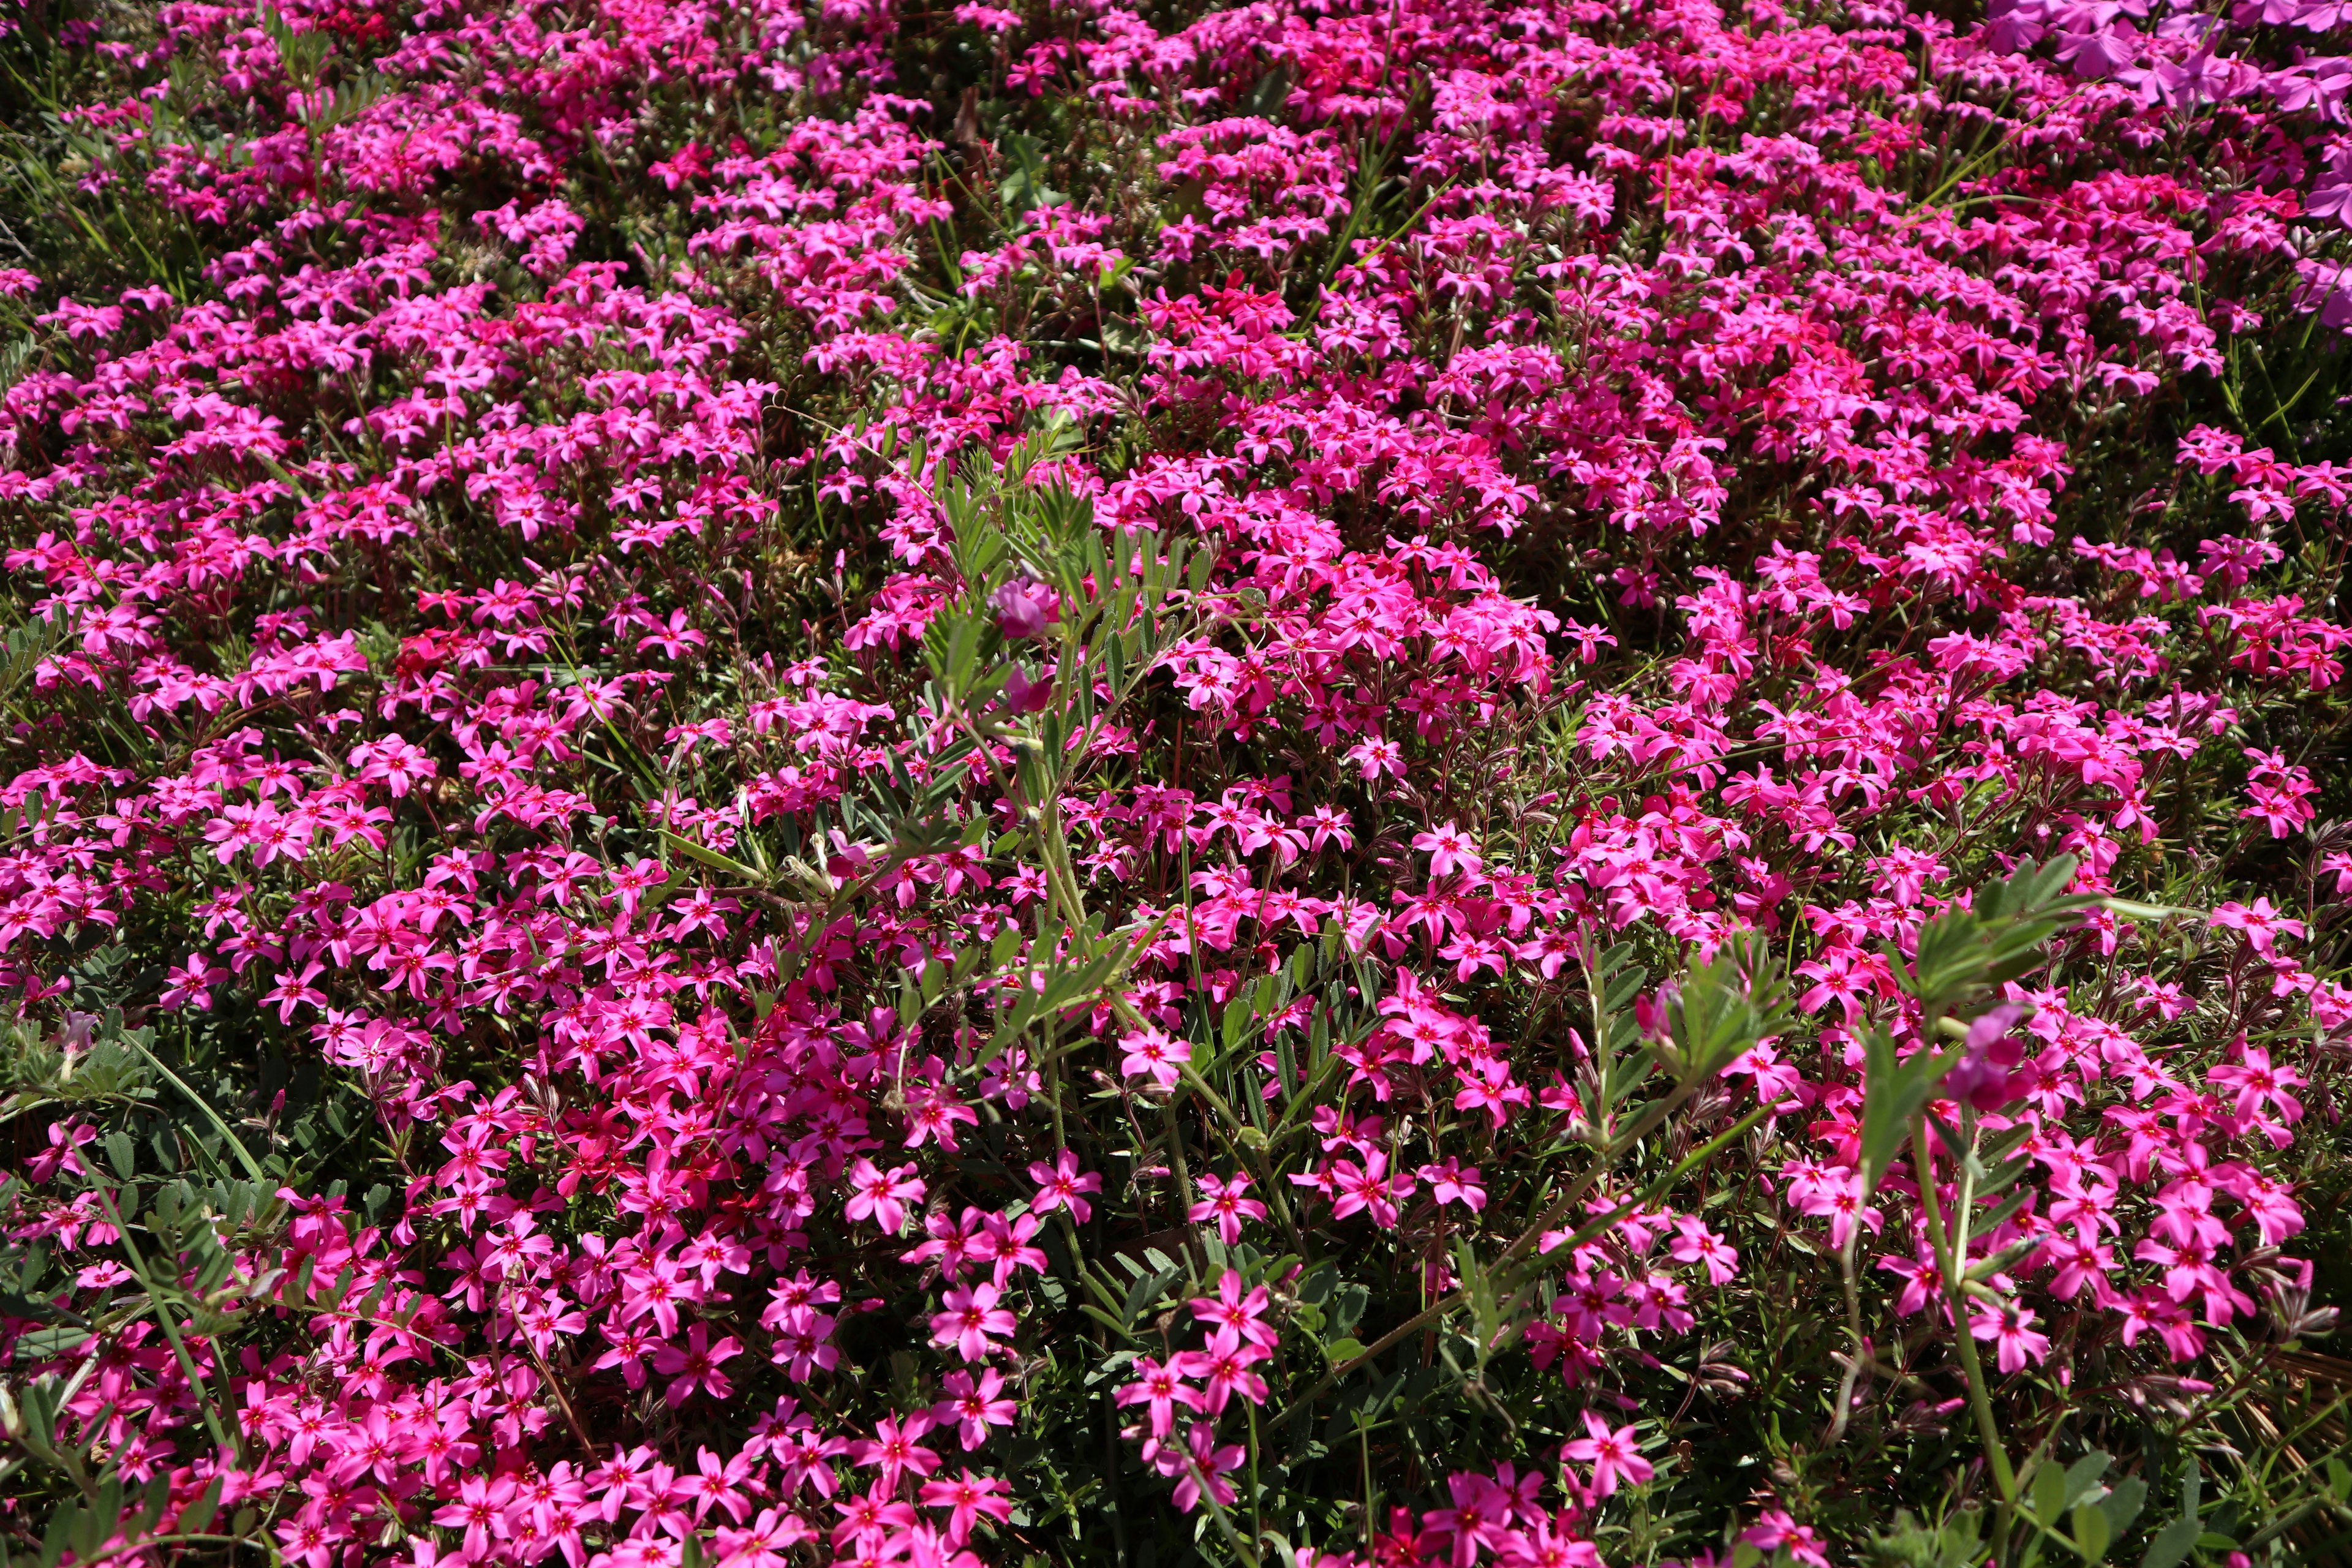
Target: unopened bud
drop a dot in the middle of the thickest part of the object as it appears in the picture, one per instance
(1022, 609)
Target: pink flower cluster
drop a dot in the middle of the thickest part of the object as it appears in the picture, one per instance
(1653, 477)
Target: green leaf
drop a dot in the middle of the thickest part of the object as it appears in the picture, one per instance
(1106, 1320)
(2133, 910)
(712, 859)
(1238, 1013)
(153, 1502)
(2122, 1505)
(198, 1515)
(2091, 1533)
(2172, 1543)
(1269, 94)
(60, 1532)
(1024, 186)
(1727, 1006)
(1963, 952)
(2082, 1478)
(2048, 1493)
(1999, 1215)
(98, 1521)
(1893, 1092)
(1196, 576)
(1146, 1290)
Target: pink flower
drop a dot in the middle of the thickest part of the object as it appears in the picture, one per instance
(1223, 1370)
(1377, 756)
(1155, 1054)
(971, 1322)
(1547, 1543)
(1449, 848)
(696, 1366)
(1839, 1195)
(1062, 1186)
(1027, 694)
(1232, 1310)
(1200, 1460)
(2011, 1328)
(480, 1512)
(1369, 1189)
(1022, 609)
(1222, 1202)
(191, 982)
(1774, 1530)
(1695, 1243)
(973, 1408)
(967, 1498)
(1160, 1389)
(894, 1450)
(2258, 1086)
(1480, 1517)
(1452, 1182)
(761, 1544)
(883, 1197)
(1610, 1454)
(2263, 924)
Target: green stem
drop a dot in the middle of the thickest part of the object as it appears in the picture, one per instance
(1217, 1510)
(1952, 1268)
(193, 1098)
(163, 1317)
(1248, 1153)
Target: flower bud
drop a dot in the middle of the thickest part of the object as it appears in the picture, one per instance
(1023, 695)
(1022, 610)
(1653, 1015)
(1984, 1077)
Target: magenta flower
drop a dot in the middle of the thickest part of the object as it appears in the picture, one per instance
(1223, 1370)
(191, 982)
(1160, 1389)
(695, 1368)
(1449, 849)
(974, 1407)
(895, 1449)
(1612, 1452)
(1022, 609)
(968, 1500)
(1232, 1310)
(1154, 1054)
(1063, 1185)
(1024, 694)
(1198, 1462)
(973, 1322)
(1222, 1202)
(881, 1196)
(1697, 508)
(2009, 1329)
(1695, 1243)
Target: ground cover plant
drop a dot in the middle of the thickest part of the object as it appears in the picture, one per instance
(1332, 784)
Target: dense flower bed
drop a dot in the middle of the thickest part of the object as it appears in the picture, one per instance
(1112, 784)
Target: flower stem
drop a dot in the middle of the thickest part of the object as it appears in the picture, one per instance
(1952, 1263)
